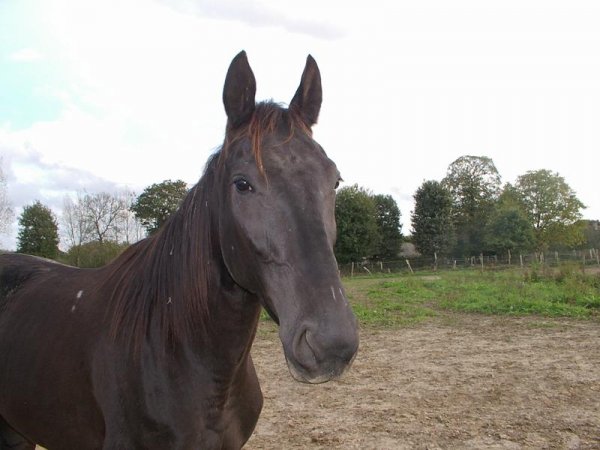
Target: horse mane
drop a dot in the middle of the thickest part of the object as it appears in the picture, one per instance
(165, 278)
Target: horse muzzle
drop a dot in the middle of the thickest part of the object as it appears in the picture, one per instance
(317, 356)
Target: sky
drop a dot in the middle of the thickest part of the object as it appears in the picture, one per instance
(120, 94)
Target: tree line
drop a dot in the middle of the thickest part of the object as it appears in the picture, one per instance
(96, 227)
(469, 212)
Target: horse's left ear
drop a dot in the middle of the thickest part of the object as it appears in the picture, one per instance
(239, 91)
(307, 100)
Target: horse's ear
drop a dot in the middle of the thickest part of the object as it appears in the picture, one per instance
(308, 97)
(239, 91)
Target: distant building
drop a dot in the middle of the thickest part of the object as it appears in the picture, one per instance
(408, 250)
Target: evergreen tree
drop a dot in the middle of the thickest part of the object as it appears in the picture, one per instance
(38, 232)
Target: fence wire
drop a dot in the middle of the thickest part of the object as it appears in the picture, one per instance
(584, 258)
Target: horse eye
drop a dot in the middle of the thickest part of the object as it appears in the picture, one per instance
(337, 183)
(242, 185)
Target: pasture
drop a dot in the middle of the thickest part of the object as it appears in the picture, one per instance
(496, 360)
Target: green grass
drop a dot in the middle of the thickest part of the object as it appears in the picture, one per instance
(409, 299)
(390, 301)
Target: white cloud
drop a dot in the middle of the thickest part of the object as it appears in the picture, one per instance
(26, 55)
(408, 87)
(295, 17)
(30, 177)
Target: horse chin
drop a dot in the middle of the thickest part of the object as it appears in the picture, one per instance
(301, 375)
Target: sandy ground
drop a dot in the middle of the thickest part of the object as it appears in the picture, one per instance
(461, 382)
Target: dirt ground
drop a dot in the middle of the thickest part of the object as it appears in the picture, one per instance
(461, 382)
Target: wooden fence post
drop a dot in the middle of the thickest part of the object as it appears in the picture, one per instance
(509, 257)
(521, 258)
(352, 270)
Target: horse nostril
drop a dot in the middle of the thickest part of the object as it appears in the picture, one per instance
(304, 351)
(325, 347)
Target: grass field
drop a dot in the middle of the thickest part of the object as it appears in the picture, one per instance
(399, 300)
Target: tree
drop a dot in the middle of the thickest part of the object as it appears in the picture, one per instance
(508, 228)
(432, 227)
(154, 206)
(552, 208)
(38, 232)
(76, 230)
(99, 217)
(357, 232)
(390, 228)
(474, 184)
(6, 212)
(103, 212)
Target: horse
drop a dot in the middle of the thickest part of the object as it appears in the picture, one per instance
(152, 350)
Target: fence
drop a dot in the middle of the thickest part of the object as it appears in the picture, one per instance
(585, 258)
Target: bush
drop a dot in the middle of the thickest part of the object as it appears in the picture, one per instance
(93, 254)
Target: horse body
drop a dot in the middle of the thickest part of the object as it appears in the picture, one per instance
(201, 396)
(153, 350)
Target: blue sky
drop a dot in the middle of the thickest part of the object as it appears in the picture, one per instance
(122, 94)
(26, 78)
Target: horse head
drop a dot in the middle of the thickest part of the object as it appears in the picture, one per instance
(277, 221)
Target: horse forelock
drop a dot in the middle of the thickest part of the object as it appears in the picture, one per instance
(267, 118)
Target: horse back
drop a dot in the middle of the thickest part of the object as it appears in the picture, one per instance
(45, 340)
(16, 269)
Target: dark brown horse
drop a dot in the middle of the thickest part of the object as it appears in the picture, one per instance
(153, 350)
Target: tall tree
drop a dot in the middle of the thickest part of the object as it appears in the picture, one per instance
(38, 232)
(76, 230)
(552, 207)
(103, 212)
(390, 228)
(6, 212)
(99, 217)
(432, 226)
(474, 184)
(157, 202)
(357, 232)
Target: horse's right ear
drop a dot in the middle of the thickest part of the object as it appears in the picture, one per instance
(239, 91)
